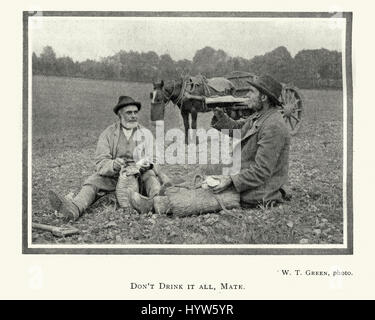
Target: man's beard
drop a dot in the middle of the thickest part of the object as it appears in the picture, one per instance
(129, 125)
(258, 105)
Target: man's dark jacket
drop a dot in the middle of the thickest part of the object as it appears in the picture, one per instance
(265, 142)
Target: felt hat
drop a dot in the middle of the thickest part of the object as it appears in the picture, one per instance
(124, 101)
(268, 86)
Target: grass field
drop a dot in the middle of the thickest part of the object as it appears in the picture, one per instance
(69, 114)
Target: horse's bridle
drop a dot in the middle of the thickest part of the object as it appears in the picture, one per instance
(180, 96)
(166, 98)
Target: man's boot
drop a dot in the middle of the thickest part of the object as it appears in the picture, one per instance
(140, 203)
(63, 205)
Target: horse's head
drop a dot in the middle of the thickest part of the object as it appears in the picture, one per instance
(163, 92)
(157, 94)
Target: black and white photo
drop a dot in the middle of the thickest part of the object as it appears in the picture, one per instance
(187, 132)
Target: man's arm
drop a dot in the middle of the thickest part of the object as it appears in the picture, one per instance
(105, 164)
(222, 121)
(270, 144)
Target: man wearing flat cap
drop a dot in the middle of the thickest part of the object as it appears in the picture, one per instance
(118, 146)
(265, 142)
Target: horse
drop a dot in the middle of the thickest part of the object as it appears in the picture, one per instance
(188, 94)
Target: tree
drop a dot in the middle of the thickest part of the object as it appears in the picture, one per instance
(184, 67)
(48, 61)
(278, 63)
(35, 64)
(151, 58)
(65, 66)
(91, 69)
(210, 62)
(311, 65)
(237, 64)
(167, 67)
(111, 67)
(308, 69)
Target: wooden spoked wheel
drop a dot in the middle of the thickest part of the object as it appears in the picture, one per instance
(291, 109)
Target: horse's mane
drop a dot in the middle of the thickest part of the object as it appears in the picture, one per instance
(172, 88)
(173, 83)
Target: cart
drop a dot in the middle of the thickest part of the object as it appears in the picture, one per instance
(291, 99)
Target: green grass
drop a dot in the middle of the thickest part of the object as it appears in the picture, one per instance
(68, 116)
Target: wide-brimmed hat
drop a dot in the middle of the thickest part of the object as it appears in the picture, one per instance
(124, 101)
(268, 86)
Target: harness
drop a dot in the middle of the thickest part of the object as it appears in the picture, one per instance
(180, 97)
(165, 96)
(189, 86)
(182, 92)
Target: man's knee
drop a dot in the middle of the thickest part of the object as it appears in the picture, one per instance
(101, 182)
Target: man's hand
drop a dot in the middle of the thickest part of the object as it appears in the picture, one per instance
(225, 183)
(219, 113)
(117, 164)
(143, 164)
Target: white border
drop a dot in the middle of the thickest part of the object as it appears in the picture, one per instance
(192, 246)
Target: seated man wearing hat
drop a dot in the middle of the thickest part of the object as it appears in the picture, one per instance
(117, 147)
(265, 142)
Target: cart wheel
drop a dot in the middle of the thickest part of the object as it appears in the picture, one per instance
(291, 108)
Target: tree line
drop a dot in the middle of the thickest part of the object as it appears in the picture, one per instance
(320, 68)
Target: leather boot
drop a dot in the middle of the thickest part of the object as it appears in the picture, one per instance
(85, 197)
(140, 203)
(63, 205)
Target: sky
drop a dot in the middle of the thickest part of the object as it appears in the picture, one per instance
(84, 38)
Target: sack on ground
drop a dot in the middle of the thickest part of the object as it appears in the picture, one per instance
(185, 202)
(127, 182)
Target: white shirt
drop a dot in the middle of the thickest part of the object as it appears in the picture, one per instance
(127, 132)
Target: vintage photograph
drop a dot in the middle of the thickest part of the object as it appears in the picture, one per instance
(187, 133)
